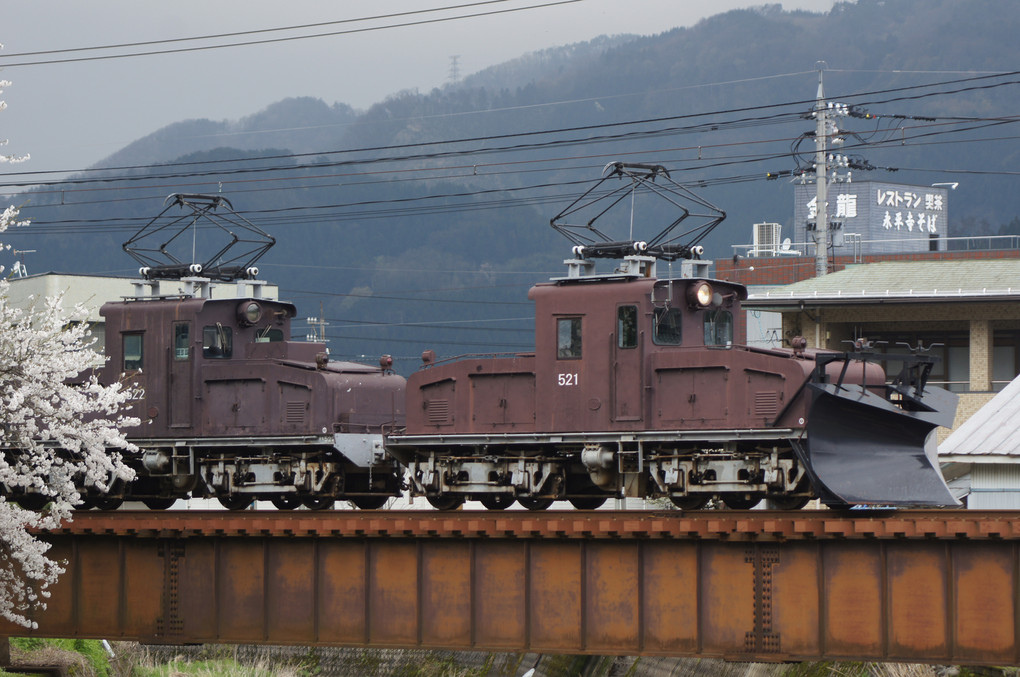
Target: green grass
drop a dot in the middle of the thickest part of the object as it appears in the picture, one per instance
(222, 667)
(90, 649)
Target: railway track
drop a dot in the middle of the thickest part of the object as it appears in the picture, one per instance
(726, 525)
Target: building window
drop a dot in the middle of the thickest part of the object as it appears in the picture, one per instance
(626, 326)
(667, 323)
(958, 367)
(568, 338)
(1005, 357)
(718, 328)
(132, 344)
(182, 340)
(217, 342)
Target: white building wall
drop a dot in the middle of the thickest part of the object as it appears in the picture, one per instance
(994, 486)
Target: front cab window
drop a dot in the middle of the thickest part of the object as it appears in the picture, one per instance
(667, 324)
(269, 335)
(718, 328)
(217, 342)
(568, 338)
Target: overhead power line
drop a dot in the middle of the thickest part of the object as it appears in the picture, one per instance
(553, 191)
(466, 200)
(264, 41)
(216, 36)
(710, 126)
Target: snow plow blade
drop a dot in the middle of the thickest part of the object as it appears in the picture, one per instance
(863, 449)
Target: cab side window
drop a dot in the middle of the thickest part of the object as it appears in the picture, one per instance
(132, 350)
(182, 341)
(217, 342)
(568, 338)
(667, 325)
(626, 327)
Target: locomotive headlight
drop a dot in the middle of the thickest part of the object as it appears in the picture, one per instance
(249, 313)
(699, 295)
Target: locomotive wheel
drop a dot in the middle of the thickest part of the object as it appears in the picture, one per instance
(587, 502)
(236, 501)
(87, 503)
(108, 502)
(497, 501)
(318, 502)
(285, 501)
(535, 503)
(693, 502)
(447, 502)
(789, 502)
(740, 501)
(369, 502)
(158, 503)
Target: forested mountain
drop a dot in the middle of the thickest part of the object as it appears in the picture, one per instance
(445, 197)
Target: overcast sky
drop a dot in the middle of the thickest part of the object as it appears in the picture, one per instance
(71, 115)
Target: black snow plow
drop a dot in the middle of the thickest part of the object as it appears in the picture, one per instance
(875, 445)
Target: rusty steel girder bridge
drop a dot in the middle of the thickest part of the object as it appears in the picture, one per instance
(917, 586)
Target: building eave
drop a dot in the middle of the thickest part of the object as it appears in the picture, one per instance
(778, 300)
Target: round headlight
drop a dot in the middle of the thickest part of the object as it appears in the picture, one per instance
(699, 295)
(249, 312)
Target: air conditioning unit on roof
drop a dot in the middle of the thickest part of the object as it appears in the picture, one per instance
(767, 239)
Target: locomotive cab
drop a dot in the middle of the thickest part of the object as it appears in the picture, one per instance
(597, 335)
(166, 344)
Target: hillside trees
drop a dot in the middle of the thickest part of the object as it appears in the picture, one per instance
(52, 434)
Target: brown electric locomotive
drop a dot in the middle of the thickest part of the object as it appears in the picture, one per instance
(638, 386)
(233, 408)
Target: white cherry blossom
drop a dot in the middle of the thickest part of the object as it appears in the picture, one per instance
(55, 435)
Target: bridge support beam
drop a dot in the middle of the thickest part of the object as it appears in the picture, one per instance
(876, 599)
(938, 602)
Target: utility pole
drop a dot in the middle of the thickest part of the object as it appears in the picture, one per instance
(318, 327)
(821, 184)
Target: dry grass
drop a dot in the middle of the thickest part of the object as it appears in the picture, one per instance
(144, 665)
(72, 661)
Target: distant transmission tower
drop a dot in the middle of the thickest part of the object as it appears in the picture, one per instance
(454, 74)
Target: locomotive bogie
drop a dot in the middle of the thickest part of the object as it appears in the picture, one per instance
(438, 474)
(718, 473)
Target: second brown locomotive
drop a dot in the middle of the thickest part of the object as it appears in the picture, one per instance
(640, 386)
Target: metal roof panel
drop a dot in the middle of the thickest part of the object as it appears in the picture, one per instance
(993, 430)
(939, 279)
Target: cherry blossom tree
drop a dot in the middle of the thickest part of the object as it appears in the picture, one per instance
(59, 430)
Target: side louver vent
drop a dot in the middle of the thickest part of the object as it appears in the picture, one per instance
(438, 412)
